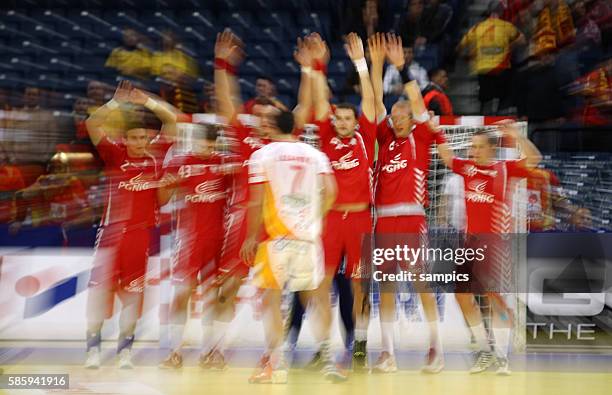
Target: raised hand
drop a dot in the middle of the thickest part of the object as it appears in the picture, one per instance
(138, 97)
(395, 51)
(302, 54)
(122, 93)
(317, 47)
(229, 47)
(376, 47)
(354, 47)
(508, 128)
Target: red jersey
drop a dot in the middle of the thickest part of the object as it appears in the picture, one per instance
(351, 158)
(202, 193)
(133, 182)
(402, 170)
(248, 142)
(486, 188)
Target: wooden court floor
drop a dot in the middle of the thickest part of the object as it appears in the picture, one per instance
(150, 380)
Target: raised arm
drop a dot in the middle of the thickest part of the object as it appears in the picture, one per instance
(96, 120)
(320, 90)
(301, 112)
(166, 113)
(228, 54)
(376, 46)
(527, 148)
(419, 111)
(354, 49)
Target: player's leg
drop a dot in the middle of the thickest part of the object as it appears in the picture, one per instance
(472, 315)
(502, 322)
(133, 254)
(185, 265)
(333, 249)
(386, 228)
(101, 294)
(415, 229)
(271, 280)
(318, 308)
(271, 367)
(361, 223)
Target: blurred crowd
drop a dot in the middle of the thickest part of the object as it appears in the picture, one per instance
(541, 60)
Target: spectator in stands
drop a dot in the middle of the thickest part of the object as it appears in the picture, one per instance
(489, 45)
(438, 16)
(555, 28)
(11, 181)
(434, 95)
(596, 88)
(364, 17)
(425, 25)
(265, 88)
(588, 37)
(601, 12)
(392, 82)
(132, 59)
(173, 59)
(57, 198)
(34, 131)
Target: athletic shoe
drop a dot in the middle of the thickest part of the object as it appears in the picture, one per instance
(316, 364)
(334, 373)
(217, 361)
(93, 358)
(204, 360)
(502, 367)
(360, 356)
(434, 362)
(385, 364)
(125, 359)
(173, 361)
(484, 361)
(266, 374)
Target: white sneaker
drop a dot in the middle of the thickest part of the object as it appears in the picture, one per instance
(385, 364)
(502, 367)
(434, 362)
(125, 359)
(93, 358)
(483, 362)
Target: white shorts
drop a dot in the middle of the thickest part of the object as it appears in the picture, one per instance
(297, 265)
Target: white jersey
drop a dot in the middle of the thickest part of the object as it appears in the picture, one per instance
(292, 173)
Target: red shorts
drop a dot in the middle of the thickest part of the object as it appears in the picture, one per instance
(343, 234)
(235, 234)
(196, 254)
(120, 264)
(409, 230)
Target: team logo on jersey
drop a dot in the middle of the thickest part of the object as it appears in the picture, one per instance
(471, 171)
(339, 144)
(253, 142)
(137, 184)
(345, 162)
(476, 192)
(395, 164)
(206, 192)
(127, 164)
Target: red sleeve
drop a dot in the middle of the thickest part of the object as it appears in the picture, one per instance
(517, 168)
(458, 164)
(240, 130)
(367, 130)
(326, 130)
(384, 132)
(111, 152)
(78, 190)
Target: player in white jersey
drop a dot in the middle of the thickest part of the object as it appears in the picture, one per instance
(291, 187)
